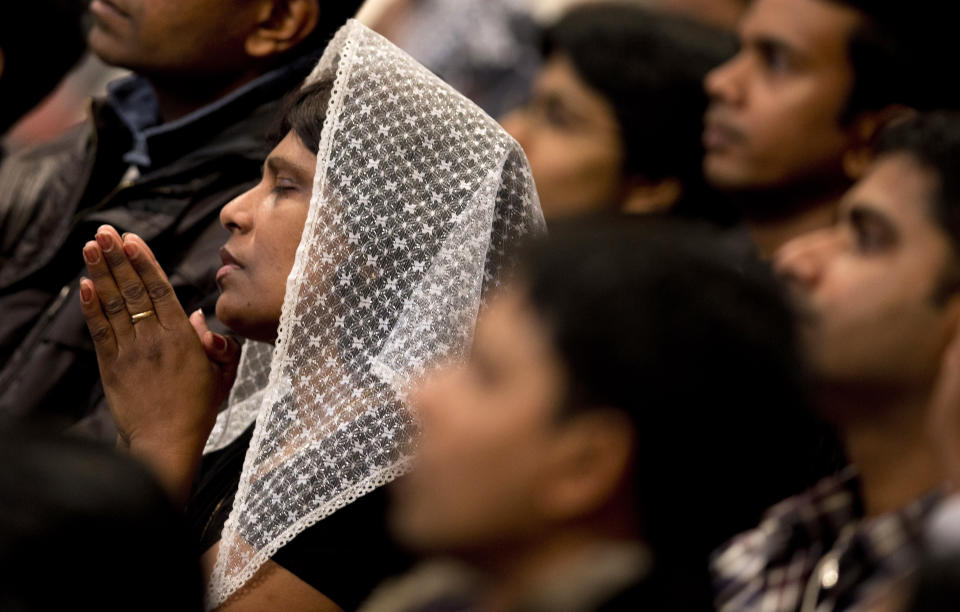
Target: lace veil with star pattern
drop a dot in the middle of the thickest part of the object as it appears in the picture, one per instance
(417, 197)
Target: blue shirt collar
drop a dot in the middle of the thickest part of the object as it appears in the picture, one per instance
(135, 103)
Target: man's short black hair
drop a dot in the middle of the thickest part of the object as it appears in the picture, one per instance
(41, 41)
(898, 54)
(932, 140)
(650, 67)
(674, 326)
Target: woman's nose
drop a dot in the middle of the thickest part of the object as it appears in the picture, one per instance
(237, 214)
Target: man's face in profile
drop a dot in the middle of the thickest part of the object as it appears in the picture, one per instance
(776, 107)
(172, 37)
(870, 288)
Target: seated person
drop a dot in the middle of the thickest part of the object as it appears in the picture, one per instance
(383, 215)
(602, 437)
(69, 514)
(159, 156)
(879, 301)
(615, 118)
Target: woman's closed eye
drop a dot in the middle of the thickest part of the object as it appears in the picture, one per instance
(286, 177)
(283, 185)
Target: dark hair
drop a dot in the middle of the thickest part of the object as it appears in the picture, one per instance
(694, 342)
(897, 55)
(933, 140)
(304, 113)
(650, 67)
(33, 66)
(84, 528)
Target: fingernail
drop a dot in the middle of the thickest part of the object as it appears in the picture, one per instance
(91, 254)
(105, 242)
(130, 249)
(219, 342)
(85, 294)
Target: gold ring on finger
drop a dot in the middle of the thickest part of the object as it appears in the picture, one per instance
(140, 316)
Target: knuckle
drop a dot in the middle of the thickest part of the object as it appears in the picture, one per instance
(100, 334)
(158, 290)
(132, 292)
(115, 257)
(113, 306)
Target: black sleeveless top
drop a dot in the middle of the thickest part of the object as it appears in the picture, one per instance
(344, 556)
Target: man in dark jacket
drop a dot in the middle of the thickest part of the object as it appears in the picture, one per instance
(160, 156)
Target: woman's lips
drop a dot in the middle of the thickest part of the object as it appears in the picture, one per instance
(230, 264)
(224, 271)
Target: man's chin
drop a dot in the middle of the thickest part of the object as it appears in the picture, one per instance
(107, 44)
(724, 173)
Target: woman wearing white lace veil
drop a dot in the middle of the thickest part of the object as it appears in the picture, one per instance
(416, 198)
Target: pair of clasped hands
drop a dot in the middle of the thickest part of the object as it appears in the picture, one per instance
(164, 374)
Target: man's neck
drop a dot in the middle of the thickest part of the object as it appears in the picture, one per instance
(885, 438)
(775, 216)
(178, 97)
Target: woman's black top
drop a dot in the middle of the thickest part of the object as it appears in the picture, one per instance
(344, 556)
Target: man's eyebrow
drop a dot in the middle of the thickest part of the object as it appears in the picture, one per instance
(278, 163)
(768, 44)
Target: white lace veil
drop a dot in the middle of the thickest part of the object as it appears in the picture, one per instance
(417, 196)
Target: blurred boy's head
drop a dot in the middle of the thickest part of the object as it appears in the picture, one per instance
(86, 529)
(610, 393)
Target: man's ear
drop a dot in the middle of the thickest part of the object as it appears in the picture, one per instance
(282, 25)
(644, 197)
(864, 129)
(589, 464)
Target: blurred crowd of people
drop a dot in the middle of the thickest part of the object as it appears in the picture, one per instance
(479, 305)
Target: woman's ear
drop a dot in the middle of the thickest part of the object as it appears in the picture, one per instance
(282, 25)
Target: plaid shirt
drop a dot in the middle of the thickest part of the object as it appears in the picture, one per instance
(816, 552)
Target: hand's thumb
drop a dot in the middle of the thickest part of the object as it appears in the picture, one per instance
(199, 324)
